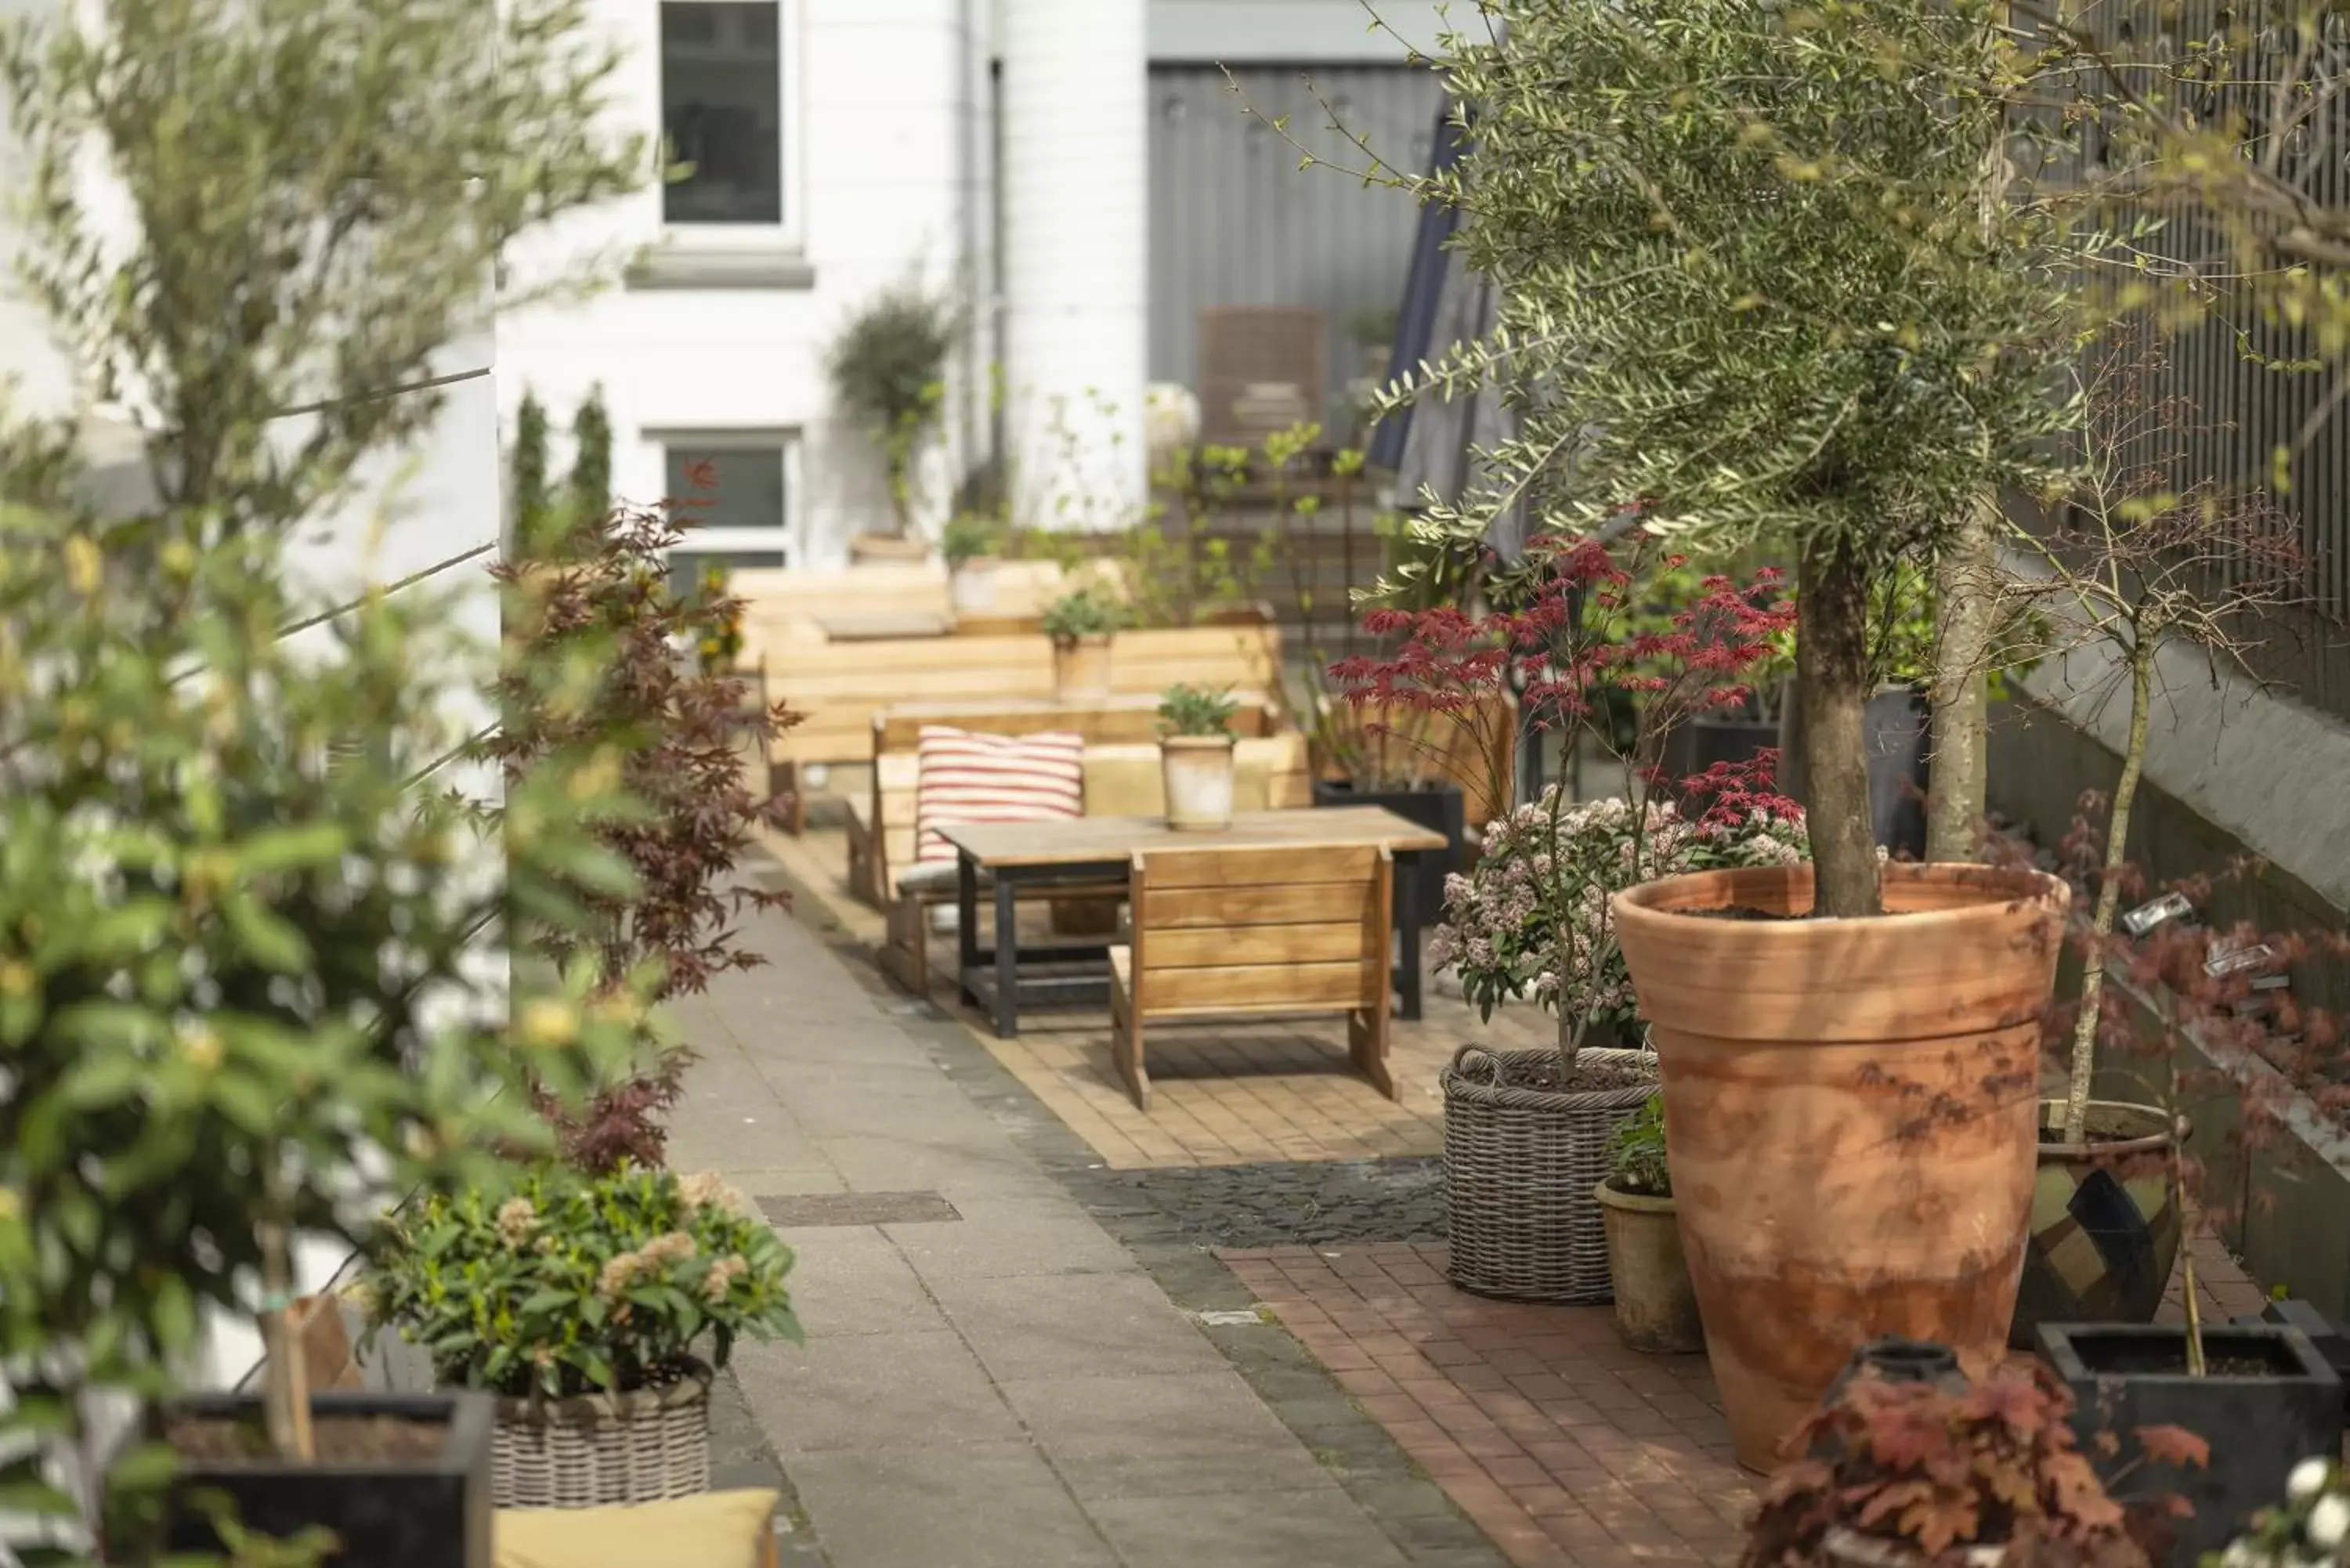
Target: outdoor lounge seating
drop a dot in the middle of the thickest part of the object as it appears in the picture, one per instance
(1255, 930)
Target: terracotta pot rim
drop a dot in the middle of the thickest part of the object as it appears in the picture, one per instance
(2003, 888)
(2098, 1148)
(1610, 1196)
(1198, 742)
(1090, 639)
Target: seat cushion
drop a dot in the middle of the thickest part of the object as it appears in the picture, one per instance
(965, 777)
(935, 876)
(714, 1530)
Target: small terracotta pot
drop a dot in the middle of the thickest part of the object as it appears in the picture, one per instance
(1656, 1305)
(887, 549)
(1850, 1112)
(1080, 668)
(1197, 773)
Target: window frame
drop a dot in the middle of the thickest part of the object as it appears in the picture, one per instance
(790, 234)
(785, 440)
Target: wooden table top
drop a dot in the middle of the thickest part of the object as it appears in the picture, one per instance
(1084, 840)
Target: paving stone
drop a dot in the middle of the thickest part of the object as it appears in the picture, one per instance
(983, 1505)
(878, 1391)
(1299, 1203)
(1321, 1528)
(857, 1283)
(997, 1240)
(857, 1208)
(1196, 1434)
(1073, 1326)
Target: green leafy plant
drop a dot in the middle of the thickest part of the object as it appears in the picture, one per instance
(1636, 1151)
(970, 536)
(2310, 1525)
(1084, 612)
(1186, 709)
(1175, 562)
(887, 369)
(558, 1284)
(719, 649)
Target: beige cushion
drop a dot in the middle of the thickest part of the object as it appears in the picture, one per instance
(715, 1529)
(1126, 781)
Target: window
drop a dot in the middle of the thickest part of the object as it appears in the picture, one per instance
(722, 110)
(685, 568)
(743, 516)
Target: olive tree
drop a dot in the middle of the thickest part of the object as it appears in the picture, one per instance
(1751, 279)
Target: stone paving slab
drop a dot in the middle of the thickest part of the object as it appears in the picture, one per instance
(974, 1389)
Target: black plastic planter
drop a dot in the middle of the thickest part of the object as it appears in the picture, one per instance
(428, 1512)
(1697, 744)
(2269, 1402)
(1898, 731)
(1438, 810)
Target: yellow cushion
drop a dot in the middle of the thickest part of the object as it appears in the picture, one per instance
(1125, 780)
(715, 1529)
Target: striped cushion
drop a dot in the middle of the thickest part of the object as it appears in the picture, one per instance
(963, 777)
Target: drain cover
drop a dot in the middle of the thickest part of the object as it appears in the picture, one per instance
(811, 1209)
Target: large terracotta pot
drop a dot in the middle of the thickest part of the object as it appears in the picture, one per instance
(1850, 1109)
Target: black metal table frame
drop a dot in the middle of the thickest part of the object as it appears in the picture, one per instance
(1003, 954)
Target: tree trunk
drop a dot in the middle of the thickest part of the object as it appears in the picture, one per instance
(1832, 682)
(2109, 896)
(1965, 594)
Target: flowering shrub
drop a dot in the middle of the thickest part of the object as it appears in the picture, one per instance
(557, 1283)
(1532, 917)
(1939, 1472)
(722, 634)
(2310, 1527)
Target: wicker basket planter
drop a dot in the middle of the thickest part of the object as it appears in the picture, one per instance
(1520, 1164)
(595, 1450)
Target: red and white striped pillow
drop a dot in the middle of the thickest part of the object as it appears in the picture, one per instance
(963, 777)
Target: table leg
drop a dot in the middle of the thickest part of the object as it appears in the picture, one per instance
(1407, 887)
(1007, 958)
(966, 924)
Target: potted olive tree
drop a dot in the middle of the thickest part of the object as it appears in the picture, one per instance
(1195, 754)
(969, 542)
(1081, 624)
(596, 1309)
(1762, 281)
(889, 369)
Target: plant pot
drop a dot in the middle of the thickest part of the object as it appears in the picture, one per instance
(594, 1449)
(1080, 668)
(402, 1479)
(971, 587)
(1198, 771)
(1849, 1111)
(1441, 808)
(1520, 1162)
(1696, 745)
(2270, 1402)
(887, 549)
(1656, 1308)
(2104, 1225)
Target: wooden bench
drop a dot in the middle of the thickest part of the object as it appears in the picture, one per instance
(1120, 780)
(840, 686)
(1225, 932)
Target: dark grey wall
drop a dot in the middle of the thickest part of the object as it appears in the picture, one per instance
(1234, 221)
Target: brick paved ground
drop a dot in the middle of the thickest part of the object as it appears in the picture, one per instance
(1222, 1092)
(1563, 1446)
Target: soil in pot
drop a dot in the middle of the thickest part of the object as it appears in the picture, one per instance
(2104, 1221)
(1656, 1306)
(401, 1480)
(2268, 1401)
(1820, 1208)
(1525, 1144)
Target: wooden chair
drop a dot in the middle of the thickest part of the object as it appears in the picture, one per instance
(1230, 931)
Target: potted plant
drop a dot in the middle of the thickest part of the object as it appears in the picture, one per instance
(1665, 188)
(969, 542)
(1195, 751)
(1916, 1475)
(2311, 1525)
(888, 369)
(1526, 1132)
(596, 1310)
(1081, 624)
(1656, 1306)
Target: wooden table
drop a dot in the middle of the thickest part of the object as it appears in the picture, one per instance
(1100, 849)
(1118, 718)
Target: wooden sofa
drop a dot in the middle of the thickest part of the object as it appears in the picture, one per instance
(1121, 779)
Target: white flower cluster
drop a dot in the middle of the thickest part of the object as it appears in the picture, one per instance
(2309, 1531)
(1532, 918)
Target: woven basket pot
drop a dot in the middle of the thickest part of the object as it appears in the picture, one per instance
(595, 1449)
(1520, 1164)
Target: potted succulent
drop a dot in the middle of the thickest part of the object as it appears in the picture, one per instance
(1656, 1306)
(1081, 624)
(1195, 752)
(969, 542)
(595, 1309)
(1692, 360)
(1913, 1474)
